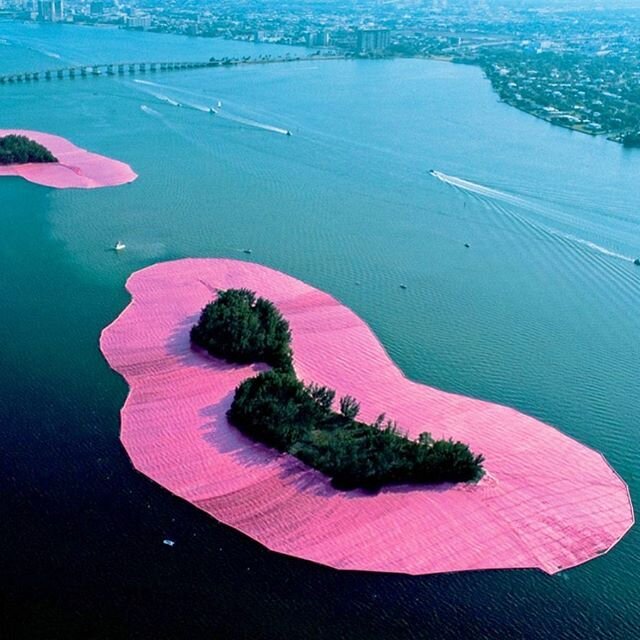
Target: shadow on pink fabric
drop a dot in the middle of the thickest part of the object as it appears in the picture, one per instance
(76, 168)
(546, 501)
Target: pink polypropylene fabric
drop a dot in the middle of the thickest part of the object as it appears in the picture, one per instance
(76, 168)
(547, 501)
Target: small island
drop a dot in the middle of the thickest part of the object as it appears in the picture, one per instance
(279, 410)
(18, 149)
(52, 161)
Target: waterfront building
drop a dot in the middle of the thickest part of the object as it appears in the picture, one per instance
(138, 22)
(51, 10)
(318, 38)
(372, 40)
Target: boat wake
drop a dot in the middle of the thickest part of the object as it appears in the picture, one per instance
(256, 125)
(492, 194)
(224, 115)
(213, 110)
(481, 190)
(149, 110)
(167, 99)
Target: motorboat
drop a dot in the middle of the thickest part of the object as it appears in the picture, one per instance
(119, 246)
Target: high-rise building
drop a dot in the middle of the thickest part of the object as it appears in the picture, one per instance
(318, 38)
(96, 8)
(372, 40)
(138, 22)
(51, 10)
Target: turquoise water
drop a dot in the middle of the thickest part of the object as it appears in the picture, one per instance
(539, 313)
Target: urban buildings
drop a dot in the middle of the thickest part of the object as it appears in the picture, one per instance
(373, 40)
(51, 10)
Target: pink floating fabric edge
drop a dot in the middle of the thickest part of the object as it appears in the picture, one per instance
(547, 501)
(76, 167)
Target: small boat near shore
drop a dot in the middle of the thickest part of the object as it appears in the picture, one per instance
(119, 246)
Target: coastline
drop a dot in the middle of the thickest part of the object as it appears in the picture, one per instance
(529, 511)
(611, 136)
(76, 168)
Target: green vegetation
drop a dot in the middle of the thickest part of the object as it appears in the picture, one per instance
(631, 140)
(279, 410)
(240, 328)
(21, 150)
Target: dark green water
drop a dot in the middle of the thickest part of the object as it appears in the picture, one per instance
(541, 313)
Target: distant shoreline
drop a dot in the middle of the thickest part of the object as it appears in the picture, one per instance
(578, 128)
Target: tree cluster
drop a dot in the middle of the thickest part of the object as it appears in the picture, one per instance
(631, 139)
(279, 410)
(16, 149)
(241, 328)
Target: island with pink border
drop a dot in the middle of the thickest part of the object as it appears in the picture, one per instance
(76, 167)
(546, 501)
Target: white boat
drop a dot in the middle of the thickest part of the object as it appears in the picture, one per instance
(219, 104)
(119, 246)
(212, 111)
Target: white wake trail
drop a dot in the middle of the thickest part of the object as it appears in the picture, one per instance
(502, 196)
(149, 110)
(480, 189)
(253, 123)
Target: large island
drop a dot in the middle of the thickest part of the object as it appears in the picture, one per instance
(52, 161)
(545, 500)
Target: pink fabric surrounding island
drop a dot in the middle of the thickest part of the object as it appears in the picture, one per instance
(547, 501)
(76, 167)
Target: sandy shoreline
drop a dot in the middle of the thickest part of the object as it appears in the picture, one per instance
(547, 501)
(76, 168)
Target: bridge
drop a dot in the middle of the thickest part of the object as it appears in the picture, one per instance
(112, 69)
(131, 68)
